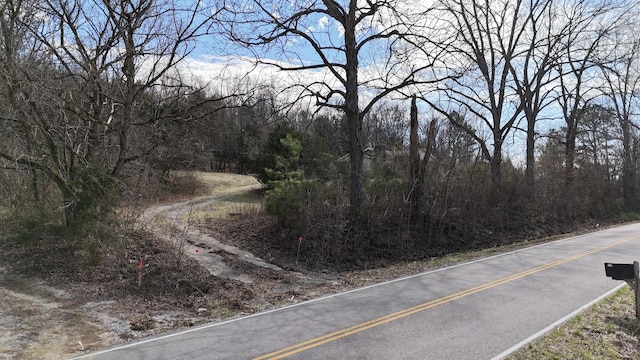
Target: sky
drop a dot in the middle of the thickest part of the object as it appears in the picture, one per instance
(226, 67)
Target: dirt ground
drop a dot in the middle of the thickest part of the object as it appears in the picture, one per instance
(42, 322)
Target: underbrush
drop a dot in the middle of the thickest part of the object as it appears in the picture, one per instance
(316, 234)
(329, 241)
(64, 260)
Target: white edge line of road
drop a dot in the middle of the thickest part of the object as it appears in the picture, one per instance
(556, 324)
(207, 326)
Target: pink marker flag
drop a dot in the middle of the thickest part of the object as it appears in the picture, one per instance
(139, 275)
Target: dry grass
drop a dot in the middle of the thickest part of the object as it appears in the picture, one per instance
(607, 330)
(235, 195)
(213, 196)
(223, 183)
(246, 202)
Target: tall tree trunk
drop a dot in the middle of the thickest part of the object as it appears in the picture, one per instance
(496, 173)
(415, 182)
(418, 168)
(352, 113)
(529, 175)
(628, 170)
(569, 163)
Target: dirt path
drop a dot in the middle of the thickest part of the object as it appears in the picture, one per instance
(197, 244)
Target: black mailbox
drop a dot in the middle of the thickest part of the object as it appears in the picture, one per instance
(619, 271)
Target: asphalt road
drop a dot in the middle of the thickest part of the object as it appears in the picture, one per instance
(478, 310)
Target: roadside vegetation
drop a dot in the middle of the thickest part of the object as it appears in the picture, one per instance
(175, 292)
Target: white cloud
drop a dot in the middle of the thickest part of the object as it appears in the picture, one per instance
(237, 75)
(323, 22)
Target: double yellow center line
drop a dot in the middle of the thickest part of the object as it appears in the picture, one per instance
(310, 344)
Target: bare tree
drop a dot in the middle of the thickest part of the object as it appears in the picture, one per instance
(81, 102)
(386, 125)
(532, 70)
(622, 75)
(18, 47)
(358, 48)
(582, 47)
(488, 37)
(598, 143)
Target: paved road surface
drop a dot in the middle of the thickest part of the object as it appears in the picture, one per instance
(476, 310)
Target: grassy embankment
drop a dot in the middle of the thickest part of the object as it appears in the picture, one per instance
(607, 330)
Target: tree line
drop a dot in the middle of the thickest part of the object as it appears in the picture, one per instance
(432, 127)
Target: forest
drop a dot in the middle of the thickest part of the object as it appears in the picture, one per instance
(395, 129)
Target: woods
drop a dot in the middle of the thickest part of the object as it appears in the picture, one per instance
(394, 131)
